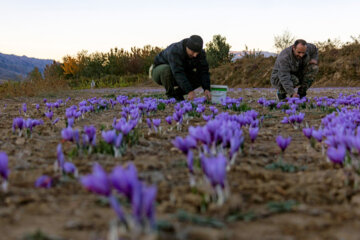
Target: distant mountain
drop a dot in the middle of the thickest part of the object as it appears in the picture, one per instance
(14, 67)
(241, 54)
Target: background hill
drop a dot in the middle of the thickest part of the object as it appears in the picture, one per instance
(14, 67)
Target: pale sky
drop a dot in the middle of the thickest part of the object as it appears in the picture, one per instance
(52, 29)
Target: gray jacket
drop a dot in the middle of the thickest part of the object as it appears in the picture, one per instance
(287, 64)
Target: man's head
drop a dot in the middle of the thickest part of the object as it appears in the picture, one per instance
(194, 46)
(299, 48)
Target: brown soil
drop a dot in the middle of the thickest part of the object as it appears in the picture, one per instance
(327, 198)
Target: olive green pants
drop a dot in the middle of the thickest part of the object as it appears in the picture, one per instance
(162, 75)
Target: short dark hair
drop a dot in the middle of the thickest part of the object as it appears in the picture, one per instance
(300, 41)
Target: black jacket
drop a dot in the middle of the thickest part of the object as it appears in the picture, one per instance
(182, 66)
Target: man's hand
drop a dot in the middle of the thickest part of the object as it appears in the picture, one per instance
(191, 95)
(295, 95)
(207, 94)
(313, 61)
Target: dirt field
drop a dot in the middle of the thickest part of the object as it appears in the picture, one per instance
(309, 198)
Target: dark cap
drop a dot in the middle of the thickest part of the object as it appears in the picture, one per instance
(195, 43)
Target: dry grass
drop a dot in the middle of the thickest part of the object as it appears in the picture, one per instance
(32, 88)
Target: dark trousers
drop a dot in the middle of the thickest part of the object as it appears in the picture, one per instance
(162, 75)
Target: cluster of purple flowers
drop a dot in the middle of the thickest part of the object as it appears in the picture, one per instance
(29, 124)
(125, 182)
(218, 143)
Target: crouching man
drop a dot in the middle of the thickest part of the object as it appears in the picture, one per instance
(295, 66)
(181, 68)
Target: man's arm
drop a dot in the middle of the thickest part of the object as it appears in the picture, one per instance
(204, 72)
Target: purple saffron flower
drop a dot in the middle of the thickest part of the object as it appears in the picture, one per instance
(67, 134)
(215, 169)
(184, 144)
(283, 142)
(49, 115)
(4, 169)
(117, 208)
(125, 180)
(307, 132)
(207, 117)
(24, 107)
(148, 203)
(18, 123)
(148, 122)
(168, 119)
(214, 110)
(44, 100)
(190, 161)
(98, 182)
(285, 120)
(37, 107)
(70, 122)
(60, 157)
(69, 168)
(43, 181)
(109, 136)
(253, 132)
(118, 140)
(337, 155)
(317, 134)
(90, 131)
(55, 121)
(156, 122)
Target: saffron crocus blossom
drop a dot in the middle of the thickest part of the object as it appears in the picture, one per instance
(4, 169)
(184, 144)
(143, 204)
(43, 181)
(70, 121)
(55, 121)
(156, 123)
(253, 132)
(215, 171)
(124, 180)
(148, 122)
(317, 134)
(69, 168)
(190, 165)
(337, 155)
(37, 106)
(117, 208)
(90, 131)
(207, 117)
(24, 108)
(18, 123)
(98, 182)
(307, 132)
(49, 115)
(109, 136)
(168, 119)
(214, 110)
(59, 164)
(282, 142)
(67, 134)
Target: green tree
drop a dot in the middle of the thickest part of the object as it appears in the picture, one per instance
(283, 41)
(35, 75)
(218, 51)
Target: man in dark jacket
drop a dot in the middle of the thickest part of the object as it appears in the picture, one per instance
(181, 68)
(295, 66)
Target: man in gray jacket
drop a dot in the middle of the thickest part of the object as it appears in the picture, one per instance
(295, 66)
